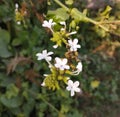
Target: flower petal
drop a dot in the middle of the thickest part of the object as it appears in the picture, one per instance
(57, 60)
(79, 66)
(55, 46)
(50, 21)
(43, 84)
(72, 93)
(70, 83)
(62, 23)
(48, 58)
(75, 41)
(64, 61)
(67, 67)
(68, 88)
(77, 89)
(70, 41)
(49, 53)
(76, 83)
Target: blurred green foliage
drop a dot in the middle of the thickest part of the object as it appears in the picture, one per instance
(21, 94)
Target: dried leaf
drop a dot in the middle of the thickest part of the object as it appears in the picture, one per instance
(107, 48)
(18, 60)
(100, 48)
(18, 82)
(31, 75)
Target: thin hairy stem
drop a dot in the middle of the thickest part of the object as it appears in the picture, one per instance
(49, 104)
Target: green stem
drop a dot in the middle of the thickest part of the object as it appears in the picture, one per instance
(62, 5)
(42, 98)
(49, 104)
(79, 15)
(111, 22)
(98, 24)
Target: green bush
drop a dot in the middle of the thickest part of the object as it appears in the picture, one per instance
(21, 75)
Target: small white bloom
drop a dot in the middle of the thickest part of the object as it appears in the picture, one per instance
(73, 87)
(79, 67)
(61, 63)
(55, 46)
(16, 5)
(45, 75)
(72, 33)
(68, 78)
(62, 29)
(63, 23)
(73, 44)
(48, 24)
(43, 84)
(18, 22)
(44, 55)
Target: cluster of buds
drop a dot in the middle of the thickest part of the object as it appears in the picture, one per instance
(20, 13)
(62, 68)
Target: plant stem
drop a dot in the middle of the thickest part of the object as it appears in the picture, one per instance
(98, 24)
(49, 104)
(62, 5)
(79, 15)
(111, 22)
(43, 99)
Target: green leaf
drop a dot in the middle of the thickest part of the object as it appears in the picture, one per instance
(5, 80)
(4, 40)
(28, 107)
(5, 14)
(16, 42)
(78, 16)
(12, 91)
(5, 36)
(12, 102)
(60, 13)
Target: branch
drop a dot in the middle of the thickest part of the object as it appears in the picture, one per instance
(80, 14)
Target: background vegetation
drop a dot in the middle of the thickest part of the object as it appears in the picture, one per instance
(21, 94)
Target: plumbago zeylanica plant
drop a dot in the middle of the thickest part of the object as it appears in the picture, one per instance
(64, 35)
(62, 67)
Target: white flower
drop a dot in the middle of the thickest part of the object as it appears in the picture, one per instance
(16, 6)
(79, 67)
(73, 87)
(48, 24)
(72, 33)
(55, 46)
(18, 22)
(61, 63)
(43, 84)
(73, 44)
(63, 23)
(44, 55)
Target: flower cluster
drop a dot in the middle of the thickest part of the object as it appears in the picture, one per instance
(62, 67)
(20, 14)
